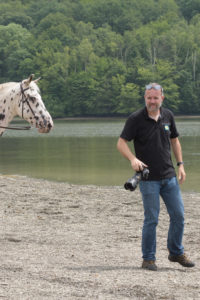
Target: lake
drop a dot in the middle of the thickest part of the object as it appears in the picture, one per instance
(84, 152)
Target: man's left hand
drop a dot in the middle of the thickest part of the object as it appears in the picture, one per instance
(181, 174)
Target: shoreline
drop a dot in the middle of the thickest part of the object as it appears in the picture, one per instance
(117, 118)
(67, 241)
(120, 187)
(104, 118)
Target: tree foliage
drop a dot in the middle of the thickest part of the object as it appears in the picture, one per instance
(96, 56)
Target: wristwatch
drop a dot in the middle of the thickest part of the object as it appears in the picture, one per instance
(180, 163)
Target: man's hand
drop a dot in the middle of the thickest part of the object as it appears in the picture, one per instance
(124, 149)
(176, 146)
(181, 174)
(137, 164)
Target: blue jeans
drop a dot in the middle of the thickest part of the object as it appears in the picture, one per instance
(169, 190)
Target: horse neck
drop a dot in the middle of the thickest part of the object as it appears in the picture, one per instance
(9, 93)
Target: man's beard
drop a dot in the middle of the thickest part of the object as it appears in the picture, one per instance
(153, 107)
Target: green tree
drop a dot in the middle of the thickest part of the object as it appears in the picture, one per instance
(95, 57)
(14, 49)
(189, 8)
(128, 100)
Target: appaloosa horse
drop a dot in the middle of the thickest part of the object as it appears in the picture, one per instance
(23, 99)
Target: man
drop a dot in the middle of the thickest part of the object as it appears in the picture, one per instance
(153, 131)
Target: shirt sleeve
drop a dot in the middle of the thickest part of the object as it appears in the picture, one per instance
(129, 130)
(174, 131)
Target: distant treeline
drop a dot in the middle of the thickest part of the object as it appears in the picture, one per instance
(95, 56)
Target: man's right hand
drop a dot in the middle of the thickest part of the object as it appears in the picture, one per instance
(124, 149)
(137, 165)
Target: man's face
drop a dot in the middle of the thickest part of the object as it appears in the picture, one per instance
(153, 100)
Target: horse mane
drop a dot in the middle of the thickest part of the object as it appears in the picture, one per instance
(5, 87)
(6, 84)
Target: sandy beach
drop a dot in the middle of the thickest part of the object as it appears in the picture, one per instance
(64, 241)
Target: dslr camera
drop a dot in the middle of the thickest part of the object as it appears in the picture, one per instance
(132, 183)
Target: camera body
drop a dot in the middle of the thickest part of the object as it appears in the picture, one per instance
(132, 183)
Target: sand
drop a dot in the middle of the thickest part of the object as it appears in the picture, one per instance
(64, 241)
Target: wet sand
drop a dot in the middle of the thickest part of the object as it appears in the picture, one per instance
(64, 241)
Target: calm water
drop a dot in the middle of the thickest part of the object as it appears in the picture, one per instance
(84, 152)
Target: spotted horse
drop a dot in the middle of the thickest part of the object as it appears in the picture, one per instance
(23, 99)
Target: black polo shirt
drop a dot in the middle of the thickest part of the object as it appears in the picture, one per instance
(152, 141)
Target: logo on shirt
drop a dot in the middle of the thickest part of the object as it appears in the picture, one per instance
(166, 126)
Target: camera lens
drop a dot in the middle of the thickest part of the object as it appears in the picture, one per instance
(132, 182)
(130, 185)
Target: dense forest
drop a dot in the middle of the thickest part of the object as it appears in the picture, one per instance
(94, 57)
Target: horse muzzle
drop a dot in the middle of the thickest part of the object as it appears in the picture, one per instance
(45, 126)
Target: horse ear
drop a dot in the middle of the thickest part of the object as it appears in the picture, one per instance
(30, 78)
(36, 80)
(28, 81)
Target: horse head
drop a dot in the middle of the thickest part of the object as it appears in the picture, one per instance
(31, 107)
